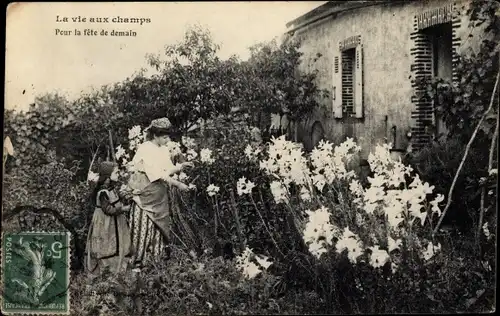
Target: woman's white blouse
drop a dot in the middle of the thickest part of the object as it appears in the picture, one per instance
(155, 161)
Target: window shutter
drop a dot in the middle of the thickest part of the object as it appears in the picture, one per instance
(358, 88)
(337, 87)
(422, 69)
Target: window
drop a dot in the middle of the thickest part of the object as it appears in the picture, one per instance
(440, 39)
(347, 88)
(434, 43)
(348, 66)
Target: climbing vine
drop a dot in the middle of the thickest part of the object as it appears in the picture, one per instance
(462, 104)
(462, 158)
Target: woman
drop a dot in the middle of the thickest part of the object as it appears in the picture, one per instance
(151, 184)
(108, 244)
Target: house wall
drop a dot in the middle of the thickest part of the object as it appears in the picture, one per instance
(385, 32)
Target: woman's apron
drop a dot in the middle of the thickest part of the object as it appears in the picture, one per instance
(109, 236)
(153, 198)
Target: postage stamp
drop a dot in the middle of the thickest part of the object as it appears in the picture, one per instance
(36, 273)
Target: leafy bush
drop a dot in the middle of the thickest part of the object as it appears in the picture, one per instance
(52, 186)
(187, 285)
(438, 164)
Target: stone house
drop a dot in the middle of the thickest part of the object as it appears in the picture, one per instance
(370, 54)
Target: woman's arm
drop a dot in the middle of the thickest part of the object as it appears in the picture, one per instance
(180, 158)
(178, 164)
(178, 168)
(110, 209)
(182, 186)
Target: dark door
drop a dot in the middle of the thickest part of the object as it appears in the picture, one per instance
(317, 134)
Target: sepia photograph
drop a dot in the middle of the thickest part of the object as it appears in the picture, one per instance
(250, 158)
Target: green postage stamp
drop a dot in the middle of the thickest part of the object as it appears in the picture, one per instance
(35, 273)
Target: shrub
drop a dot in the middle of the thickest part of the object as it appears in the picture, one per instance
(438, 164)
(187, 285)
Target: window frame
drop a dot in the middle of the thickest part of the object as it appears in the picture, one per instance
(339, 107)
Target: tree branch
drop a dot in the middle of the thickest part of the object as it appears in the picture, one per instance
(467, 148)
(112, 149)
(233, 206)
(267, 229)
(490, 166)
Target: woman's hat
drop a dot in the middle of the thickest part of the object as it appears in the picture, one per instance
(160, 126)
(160, 123)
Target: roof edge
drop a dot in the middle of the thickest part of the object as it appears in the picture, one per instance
(316, 11)
(333, 7)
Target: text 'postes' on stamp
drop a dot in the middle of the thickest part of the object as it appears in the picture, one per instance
(36, 273)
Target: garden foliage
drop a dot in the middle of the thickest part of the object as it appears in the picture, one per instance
(460, 105)
(269, 228)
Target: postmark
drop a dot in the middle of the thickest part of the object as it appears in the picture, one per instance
(36, 273)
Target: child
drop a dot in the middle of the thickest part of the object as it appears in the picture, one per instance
(109, 241)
